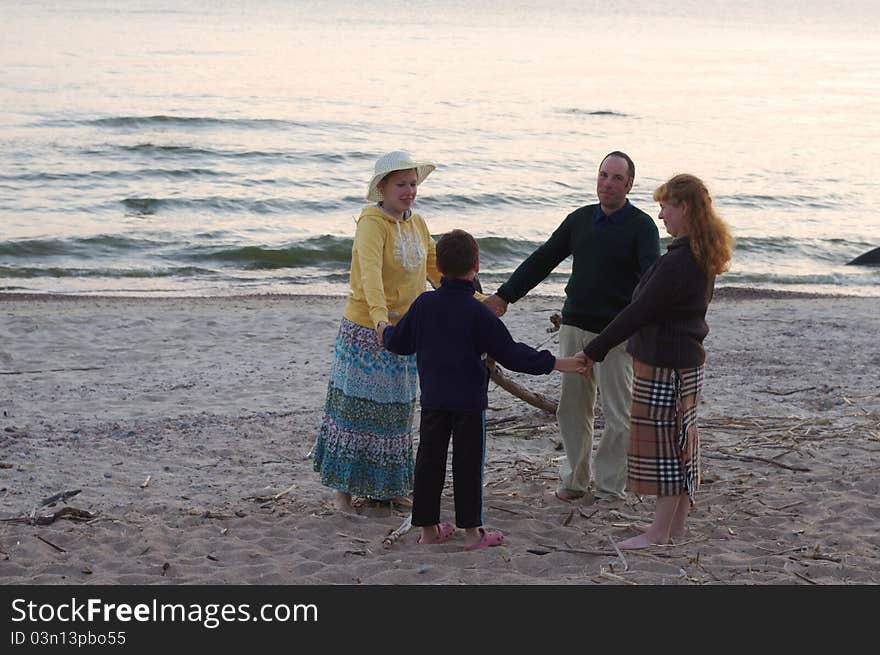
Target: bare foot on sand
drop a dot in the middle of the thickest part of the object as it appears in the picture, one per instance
(644, 527)
(637, 542)
(342, 501)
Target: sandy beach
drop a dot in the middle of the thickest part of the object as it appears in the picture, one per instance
(184, 428)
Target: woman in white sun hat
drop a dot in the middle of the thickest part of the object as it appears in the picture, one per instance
(364, 445)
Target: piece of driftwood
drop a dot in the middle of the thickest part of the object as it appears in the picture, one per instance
(46, 541)
(754, 458)
(52, 370)
(619, 554)
(394, 535)
(61, 496)
(72, 513)
(531, 397)
(271, 497)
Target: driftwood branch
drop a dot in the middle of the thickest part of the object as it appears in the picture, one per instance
(754, 458)
(531, 397)
(394, 535)
(52, 370)
(72, 513)
(60, 497)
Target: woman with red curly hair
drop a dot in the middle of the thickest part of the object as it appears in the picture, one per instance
(666, 324)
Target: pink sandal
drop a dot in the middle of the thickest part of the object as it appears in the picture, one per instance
(445, 531)
(487, 538)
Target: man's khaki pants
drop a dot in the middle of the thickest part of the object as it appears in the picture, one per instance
(577, 403)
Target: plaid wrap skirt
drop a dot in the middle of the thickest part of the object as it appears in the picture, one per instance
(663, 456)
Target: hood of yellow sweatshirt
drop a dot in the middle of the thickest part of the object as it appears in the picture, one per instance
(375, 210)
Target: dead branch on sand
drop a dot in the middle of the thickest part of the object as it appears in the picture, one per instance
(531, 397)
(394, 535)
(71, 513)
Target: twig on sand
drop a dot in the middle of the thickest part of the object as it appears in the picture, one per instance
(272, 497)
(360, 540)
(591, 514)
(52, 370)
(60, 497)
(785, 393)
(352, 515)
(723, 454)
(504, 509)
(46, 541)
(394, 535)
(616, 578)
(64, 513)
(575, 551)
(491, 422)
(803, 577)
(619, 554)
(284, 493)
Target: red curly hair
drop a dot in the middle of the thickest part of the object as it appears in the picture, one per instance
(711, 241)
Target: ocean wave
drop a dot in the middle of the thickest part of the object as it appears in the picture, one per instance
(594, 112)
(232, 259)
(161, 120)
(757, 201)
(149, 206)
(324, 251)
(86, 247)
(456, 202)
(348, 203)
(28, 272)
(177, 151)
(135, 174)
(794, 280)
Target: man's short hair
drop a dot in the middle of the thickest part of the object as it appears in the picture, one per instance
(624, 156)
(457, 253)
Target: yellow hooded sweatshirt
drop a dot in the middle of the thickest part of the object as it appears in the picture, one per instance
(390, 261)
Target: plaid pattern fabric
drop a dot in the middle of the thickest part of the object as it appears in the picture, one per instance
(663, 456)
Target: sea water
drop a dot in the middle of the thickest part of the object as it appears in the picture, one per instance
(216, 148)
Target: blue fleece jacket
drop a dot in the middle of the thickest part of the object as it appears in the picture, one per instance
(451, 333)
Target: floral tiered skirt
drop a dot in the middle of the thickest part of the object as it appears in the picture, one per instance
(364, 444)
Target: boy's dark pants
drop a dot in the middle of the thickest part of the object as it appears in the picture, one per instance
(468, 432)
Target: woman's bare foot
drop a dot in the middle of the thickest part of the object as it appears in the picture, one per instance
(643, 527)
(637, 542)
(342, 501)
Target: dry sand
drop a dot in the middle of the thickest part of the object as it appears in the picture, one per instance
(185, 426)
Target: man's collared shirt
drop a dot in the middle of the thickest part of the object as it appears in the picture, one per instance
(600, 219)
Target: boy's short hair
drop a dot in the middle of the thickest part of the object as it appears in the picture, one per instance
(457, 253)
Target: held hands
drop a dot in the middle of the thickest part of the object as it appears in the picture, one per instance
(497, 304)
(380, 328)
(570, 364)
(588, 364)
(579, 363)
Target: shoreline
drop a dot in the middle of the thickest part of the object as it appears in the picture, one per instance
(186, 425)
(734, 293)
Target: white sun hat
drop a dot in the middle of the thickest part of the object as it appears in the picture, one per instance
(397, 160)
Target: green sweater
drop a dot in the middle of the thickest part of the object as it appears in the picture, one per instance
(608, 262)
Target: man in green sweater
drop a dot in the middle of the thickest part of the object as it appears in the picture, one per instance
(611, 243)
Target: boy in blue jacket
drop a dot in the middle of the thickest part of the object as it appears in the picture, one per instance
(451, 334)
